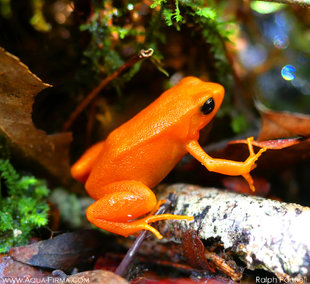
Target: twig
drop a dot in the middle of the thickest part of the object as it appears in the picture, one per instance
(90, 122)
(303, 3)
(132, 252)
(142, 54)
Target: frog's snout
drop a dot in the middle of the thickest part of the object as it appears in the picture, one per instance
(218, 95)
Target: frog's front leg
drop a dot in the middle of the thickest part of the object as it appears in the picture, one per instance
(127, 201)
(227, 167)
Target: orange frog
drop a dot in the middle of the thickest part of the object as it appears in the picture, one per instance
(119, 171)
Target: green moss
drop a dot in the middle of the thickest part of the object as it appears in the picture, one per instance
(23, 206)
(114, 32)
(116, 35)
(205, 21)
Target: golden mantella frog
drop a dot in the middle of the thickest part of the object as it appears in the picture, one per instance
(120, 171)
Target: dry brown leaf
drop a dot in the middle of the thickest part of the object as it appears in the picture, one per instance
(63, 252)
(280, 152)
(18, 87)
(272, 144)
(96, 277)
(282, 124)
(12, 270)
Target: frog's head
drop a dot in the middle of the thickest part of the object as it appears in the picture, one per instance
(203, 99)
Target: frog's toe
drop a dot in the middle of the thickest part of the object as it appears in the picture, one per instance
(154, 218)
(250, 181)
(151, 229)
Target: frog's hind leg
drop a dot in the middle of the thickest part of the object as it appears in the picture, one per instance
(127, 201)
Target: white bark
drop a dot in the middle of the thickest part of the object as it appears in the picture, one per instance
(265, 234)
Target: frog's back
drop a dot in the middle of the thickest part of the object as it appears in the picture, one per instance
(149, 145)
(162, 115)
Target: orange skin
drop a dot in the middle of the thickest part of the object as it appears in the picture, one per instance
(119, 172)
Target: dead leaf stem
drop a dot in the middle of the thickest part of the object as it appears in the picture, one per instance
(131, 62)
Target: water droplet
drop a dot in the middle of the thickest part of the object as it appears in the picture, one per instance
(288, 72)
(280, 41)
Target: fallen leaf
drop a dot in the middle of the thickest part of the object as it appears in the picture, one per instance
(272, 144)
(20, 272)
(95, 277)
(193, 251)
(18, 88)
(282, 124)
(280, 152)
(63, 252)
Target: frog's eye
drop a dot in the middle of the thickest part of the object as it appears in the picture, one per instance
(208, 106)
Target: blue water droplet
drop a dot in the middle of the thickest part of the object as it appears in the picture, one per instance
(288, 72)
(280, 41)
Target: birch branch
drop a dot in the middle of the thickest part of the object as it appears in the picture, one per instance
(303, 3)
(265, 234)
